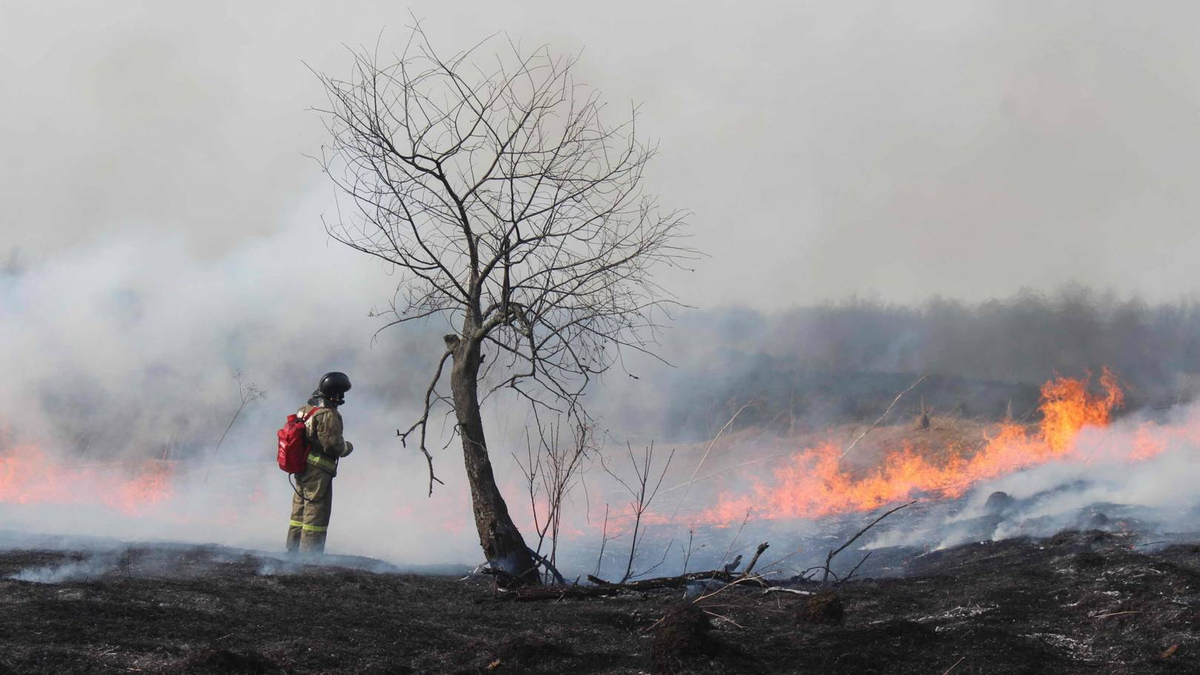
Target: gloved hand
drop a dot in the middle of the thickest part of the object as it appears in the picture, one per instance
(349, 449)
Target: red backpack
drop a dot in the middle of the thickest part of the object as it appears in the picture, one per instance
(293, 443)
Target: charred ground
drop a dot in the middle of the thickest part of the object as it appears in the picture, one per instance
(1079, 602)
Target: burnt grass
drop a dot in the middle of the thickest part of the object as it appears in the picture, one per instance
(1080, 602)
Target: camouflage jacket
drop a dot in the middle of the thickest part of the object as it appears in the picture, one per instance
(325, 442)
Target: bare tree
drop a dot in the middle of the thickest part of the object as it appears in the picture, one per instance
(511, 209)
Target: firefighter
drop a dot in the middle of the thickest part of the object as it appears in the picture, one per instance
(312, 502)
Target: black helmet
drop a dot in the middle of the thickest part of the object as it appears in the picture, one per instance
(333, 387)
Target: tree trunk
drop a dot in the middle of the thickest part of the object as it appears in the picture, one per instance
(501, 541)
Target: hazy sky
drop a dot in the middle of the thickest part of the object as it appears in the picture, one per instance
(902, 149)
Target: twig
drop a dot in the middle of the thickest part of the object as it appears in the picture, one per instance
(688, 556)
(687, 486)
(885, 414)
(738, 581)
(860, 564)
(735, 467)
(781, 589)
(721, 617)
(247, 393)
(1105, 616)
(660, 563)
(954, 666)
(603, 541)
(423, 422)
(829, 558)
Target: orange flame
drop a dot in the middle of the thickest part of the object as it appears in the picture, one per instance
(813, 483)
(1067, 407)
(30, 476)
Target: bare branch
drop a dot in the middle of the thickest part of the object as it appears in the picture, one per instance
(829, 558)
(423, 422)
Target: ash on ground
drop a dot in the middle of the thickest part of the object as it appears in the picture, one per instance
(1081, 601)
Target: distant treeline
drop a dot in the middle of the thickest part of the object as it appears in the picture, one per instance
(845, 361)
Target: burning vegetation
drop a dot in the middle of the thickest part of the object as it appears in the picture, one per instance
(29, 476)
(894, 464)
(819, 482)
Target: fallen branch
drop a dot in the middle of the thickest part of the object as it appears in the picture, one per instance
(781, 589)
(604, 588)
(675, 582)
(1105, 616)
(829, 558)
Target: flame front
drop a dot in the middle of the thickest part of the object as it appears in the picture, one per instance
(814, 482)
(811, 483)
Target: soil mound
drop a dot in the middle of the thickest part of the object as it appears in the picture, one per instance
(1088, 560)
(522, 653)
(681, 638)
(219, 660)
(998, 502)
(823, 608)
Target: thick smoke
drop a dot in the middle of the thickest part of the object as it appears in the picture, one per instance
(126, 353)
(121, 357)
